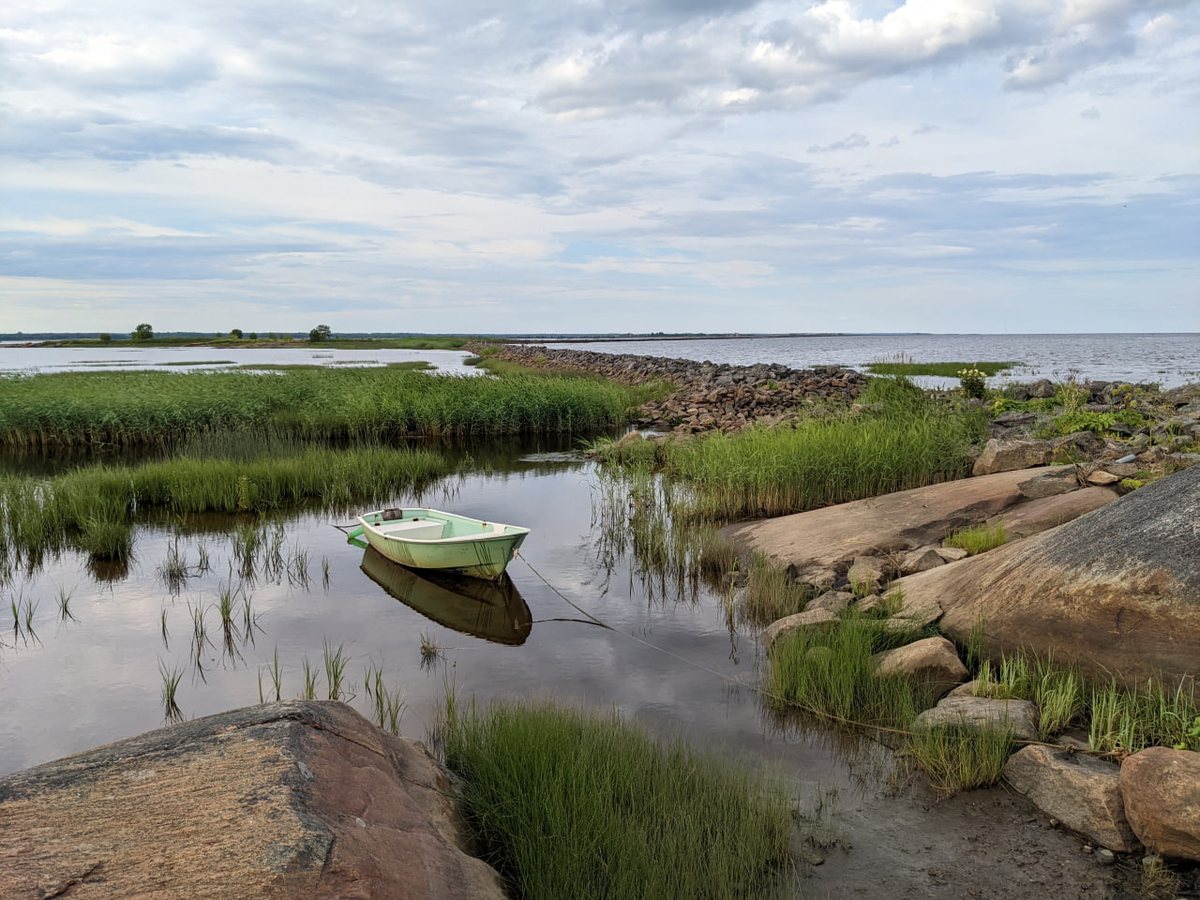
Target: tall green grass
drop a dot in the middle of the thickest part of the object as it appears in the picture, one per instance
(903, 440)
(95, 505)
(162, 408)
(566, 804)
(830, 673)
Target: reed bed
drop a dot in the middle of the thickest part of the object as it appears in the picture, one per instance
(96, 505)
(140, 409)
(567, 804)
(904, 440)
(829, 673)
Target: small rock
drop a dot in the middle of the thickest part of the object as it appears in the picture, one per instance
(1018, 716)
(1100, 477)
(1057, 480)
(1105, 857)
(933, 663)
(867, 570)
(921, 560)
(1082, 792)
(951, 554)
(817, 618)
(1011, 454)
(834, 601)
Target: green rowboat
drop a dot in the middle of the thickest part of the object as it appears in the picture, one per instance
(430, 539)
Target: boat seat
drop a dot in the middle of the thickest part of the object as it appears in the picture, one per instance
(417, 531)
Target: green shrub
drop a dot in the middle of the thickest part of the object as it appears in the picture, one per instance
(973, 382)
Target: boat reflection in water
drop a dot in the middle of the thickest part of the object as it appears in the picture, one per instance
(492, 610)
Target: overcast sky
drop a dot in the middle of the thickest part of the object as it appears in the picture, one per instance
(668, 165)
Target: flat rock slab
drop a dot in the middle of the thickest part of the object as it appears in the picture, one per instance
(836, 535)
(1081, 792)
(1116, 591)
(292, 799)
(1050, 512)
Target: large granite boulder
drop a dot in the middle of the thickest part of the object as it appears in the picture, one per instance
(1080, 791)
(292, 799)
(1161, 788)
(1115, 591)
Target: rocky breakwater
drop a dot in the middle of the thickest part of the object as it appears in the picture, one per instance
(707, 396)
(291, 799)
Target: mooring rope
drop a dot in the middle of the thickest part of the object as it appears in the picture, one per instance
(812, 709)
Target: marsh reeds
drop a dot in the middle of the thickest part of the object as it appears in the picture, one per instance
(96, 504)
(126, 409)
(901, 440)
(770, 594)
(630, 817)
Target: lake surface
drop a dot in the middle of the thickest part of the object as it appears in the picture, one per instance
(1169, 359)
(14, 358)
(670, 661)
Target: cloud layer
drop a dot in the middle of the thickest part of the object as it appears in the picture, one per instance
(944, 165)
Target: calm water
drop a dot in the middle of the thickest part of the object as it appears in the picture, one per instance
(183, 359)
(1169, 359)
(85, 681)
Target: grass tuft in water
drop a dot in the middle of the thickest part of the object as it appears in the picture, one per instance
(310, 680)
(170, 688)
(630, 817)
(960, 758)
(64, 606)
(335, 670)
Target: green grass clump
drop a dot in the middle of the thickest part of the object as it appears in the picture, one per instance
(770, 593)
(1124, 721)
(906, 441)
(958, 758)
(977, 538)
(69, 409)
(943, 369)
(567, 804)
(829, 673)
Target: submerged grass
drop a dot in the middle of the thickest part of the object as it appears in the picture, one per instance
(567, 804)
(161, 408)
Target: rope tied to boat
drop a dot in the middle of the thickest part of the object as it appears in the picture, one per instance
(811, 709)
